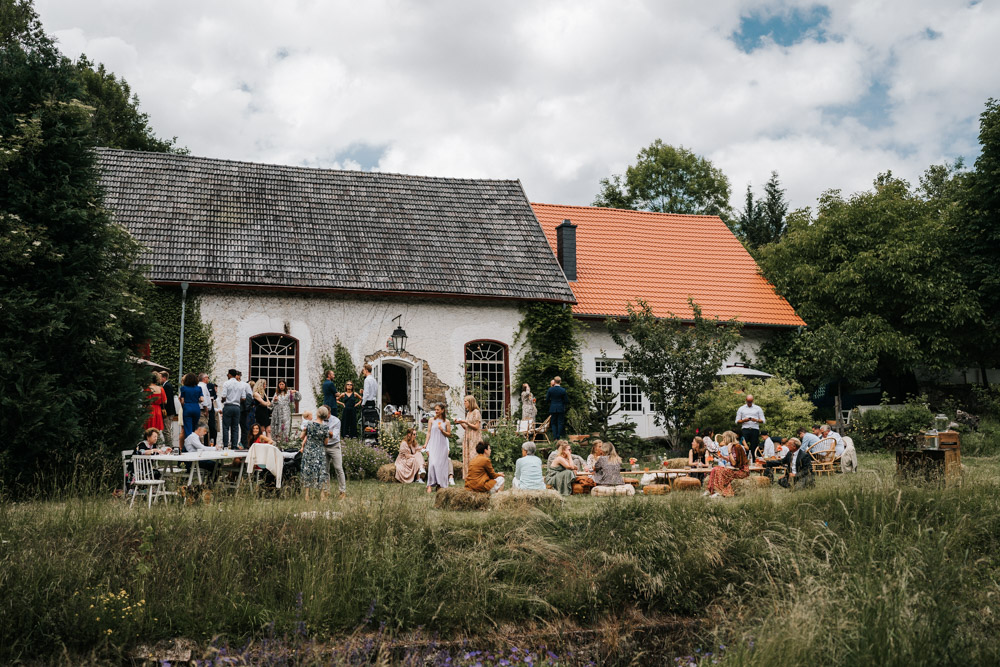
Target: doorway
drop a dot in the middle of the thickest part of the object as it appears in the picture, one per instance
(395, 386)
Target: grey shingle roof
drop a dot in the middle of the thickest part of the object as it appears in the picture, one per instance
(223, 222)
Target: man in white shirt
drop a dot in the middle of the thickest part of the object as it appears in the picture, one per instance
(827, 432)
(750, 417)
(370, 393)
(768, 449)
(231, 395)
(334, 453)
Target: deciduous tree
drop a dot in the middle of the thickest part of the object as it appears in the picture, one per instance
(671, 360)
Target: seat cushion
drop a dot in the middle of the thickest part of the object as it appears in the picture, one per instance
(686, 483)
(620, 490)
(656, 489)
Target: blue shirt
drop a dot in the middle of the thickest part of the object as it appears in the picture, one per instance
(330, 396)
(191, 397)
(528, 473)
(808, 440)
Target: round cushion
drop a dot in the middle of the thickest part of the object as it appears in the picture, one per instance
(685, 483)
(656, 489)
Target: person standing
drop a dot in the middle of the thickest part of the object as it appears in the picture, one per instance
(330, 393)
(369, 396)
(232, 396)
(262, 405)
(315, 470)
(335, 454)
(438, 463)
(281, 414)
(750, 417)
(157, 401)
(349, 420)
(472, 433)
(168, 422)
(213, 414)
(246, 408)
(191, 397)
(528, 407)
(558, 399)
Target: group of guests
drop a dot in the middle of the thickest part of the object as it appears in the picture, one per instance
(558, 399)
(348, 405)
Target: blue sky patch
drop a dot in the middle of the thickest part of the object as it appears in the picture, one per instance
(785, 28)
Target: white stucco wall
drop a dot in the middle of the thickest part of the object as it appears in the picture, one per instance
(437, 330)
(597, 343)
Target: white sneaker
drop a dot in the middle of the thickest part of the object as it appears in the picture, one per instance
(715, 495)
(451, 481)
(704, 494)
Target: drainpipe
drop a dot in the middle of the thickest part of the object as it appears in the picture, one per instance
(180, 363)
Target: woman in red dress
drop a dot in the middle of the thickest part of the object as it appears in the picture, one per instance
(720, 480)
(157, 401)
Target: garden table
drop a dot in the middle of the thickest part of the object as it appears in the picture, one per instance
(208, 455)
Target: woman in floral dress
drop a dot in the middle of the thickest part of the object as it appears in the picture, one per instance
(281, 412)
(528, 407)
(720, 480)
(473, 432)
(315, 472)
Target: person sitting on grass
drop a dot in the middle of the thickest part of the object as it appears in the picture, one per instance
(720, 480)
(562, 470)
(481, 477)
(797, 463)
(607, 469)
(410, 462)
(528, 470)
(595, 451)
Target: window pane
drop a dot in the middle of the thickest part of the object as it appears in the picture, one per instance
(486, 378)
(630, 397)
(272, 357)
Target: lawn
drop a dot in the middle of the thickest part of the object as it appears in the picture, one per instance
(858, 571)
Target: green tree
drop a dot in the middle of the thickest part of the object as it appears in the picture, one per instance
(164, 307)
(881, 263)
(551, 339)
(117, 121)
(668, 180)
(763, 221)
(978, 234)
(786, 406)
(673, 361)
(750, 219)
(71, 310)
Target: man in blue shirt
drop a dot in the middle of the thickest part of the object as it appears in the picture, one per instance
(809, 439)
(330, 393)
(558, 400)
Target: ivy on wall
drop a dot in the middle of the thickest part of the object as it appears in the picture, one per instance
(164, 305)
(551, 339)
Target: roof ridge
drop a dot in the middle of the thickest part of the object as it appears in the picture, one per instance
(626, 210)
(178, 156)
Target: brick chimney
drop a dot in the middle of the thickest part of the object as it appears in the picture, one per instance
(566, 248)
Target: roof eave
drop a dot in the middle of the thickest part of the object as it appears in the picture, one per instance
(755, 325)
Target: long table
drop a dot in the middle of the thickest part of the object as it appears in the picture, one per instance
(208, 455)
(667, 472)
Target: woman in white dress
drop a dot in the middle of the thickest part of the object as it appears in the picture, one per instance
(438, 463)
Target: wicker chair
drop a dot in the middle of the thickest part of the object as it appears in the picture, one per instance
(540, 430)
(823, 454)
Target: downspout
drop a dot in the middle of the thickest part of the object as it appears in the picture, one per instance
(180, 363)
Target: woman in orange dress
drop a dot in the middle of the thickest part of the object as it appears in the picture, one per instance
(157, 401)
(720, 480)
(473, 432)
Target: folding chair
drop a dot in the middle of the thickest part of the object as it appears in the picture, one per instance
(540, 430)
(145, 477)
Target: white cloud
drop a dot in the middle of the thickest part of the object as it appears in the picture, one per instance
(558, 94)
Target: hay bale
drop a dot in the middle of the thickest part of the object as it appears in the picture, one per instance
(677, 463)
(386, 473)
(546, 500)
(456, 469)
(685, 483)
(620, 490)
(656, 489)
(634, 481)
(461, 500)
(750, 484)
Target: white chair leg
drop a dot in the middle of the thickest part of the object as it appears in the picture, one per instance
(134, 491)
(149, 497)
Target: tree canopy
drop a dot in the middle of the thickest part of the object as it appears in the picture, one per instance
(874, 276)
(762, 221)
(668, 179)
(71, 309)
(672, 361)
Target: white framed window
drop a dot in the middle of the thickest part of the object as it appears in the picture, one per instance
(486, 377)
(629, 396)
(274, 357)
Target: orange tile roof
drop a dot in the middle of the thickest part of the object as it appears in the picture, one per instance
(663, 258)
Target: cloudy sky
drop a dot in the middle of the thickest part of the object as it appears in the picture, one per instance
(557, 94)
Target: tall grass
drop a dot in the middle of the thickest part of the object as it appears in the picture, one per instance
(857, 571)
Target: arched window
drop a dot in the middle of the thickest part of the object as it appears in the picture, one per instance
(275, 357)
(486, 377)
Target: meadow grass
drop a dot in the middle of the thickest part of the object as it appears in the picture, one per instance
(859, 570)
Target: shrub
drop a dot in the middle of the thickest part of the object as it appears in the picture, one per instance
(505, 443)
(785, 404)
(362, 461)
(391, 434)
(891, 427)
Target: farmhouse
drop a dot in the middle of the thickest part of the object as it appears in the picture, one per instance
(287, 261)
(613, 256)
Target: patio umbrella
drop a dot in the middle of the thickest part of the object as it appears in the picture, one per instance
(146, 362)
(743, 369)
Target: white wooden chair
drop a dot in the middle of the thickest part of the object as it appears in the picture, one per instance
(126, 455)
(145, 477)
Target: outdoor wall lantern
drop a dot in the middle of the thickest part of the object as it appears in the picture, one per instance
(398, 336)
